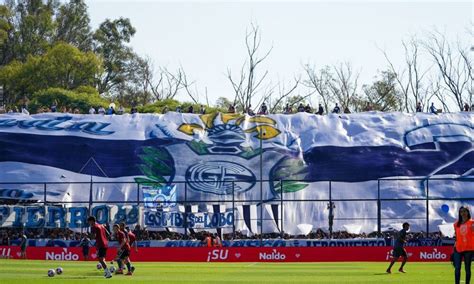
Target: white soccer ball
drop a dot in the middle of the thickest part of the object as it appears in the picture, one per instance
(51, 273)
(59, 270)
(99, 266)
(112, 269)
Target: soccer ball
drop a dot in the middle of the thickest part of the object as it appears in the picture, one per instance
(112, 269)
(99, 266)
(59, 271)
(51, 273)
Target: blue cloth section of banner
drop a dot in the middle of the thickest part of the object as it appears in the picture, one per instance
(120, 158)
(117, 158)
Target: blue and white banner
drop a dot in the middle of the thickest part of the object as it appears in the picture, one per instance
(73, 217)
(199, 220)
(216, 156)
(159, 197)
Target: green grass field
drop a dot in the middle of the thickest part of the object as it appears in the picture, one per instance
(20, 272)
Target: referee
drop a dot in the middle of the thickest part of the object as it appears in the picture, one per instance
(398, 249)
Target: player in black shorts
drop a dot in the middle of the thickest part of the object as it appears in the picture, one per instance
(399, 250)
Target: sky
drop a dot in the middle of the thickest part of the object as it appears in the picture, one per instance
(207, 38)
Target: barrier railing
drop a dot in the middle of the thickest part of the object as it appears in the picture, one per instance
(418, 195)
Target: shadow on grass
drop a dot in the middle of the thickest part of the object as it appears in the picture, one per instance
(385, 273)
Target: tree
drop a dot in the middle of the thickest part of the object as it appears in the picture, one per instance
(26, 28)
(63, 66)
(344, 85)
(137, 88)
(223, 103)
(248, 84)
(73, 25)
(34, 27)
(284, 93)
(320, 82)
(80, 98)
(110, 43)
(454, 66)
(383, 94)
(411, 78)
(5, 25)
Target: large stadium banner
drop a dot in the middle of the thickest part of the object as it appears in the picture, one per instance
(221, 163)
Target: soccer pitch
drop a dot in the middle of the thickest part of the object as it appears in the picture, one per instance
(27, 271)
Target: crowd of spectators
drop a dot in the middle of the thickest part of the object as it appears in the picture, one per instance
(262, 110)
(11, 234)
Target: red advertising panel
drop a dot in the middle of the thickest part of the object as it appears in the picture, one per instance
(235, 254)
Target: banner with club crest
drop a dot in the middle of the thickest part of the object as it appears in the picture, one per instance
(190, 171)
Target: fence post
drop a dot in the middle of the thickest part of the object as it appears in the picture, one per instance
(427, 207)
(261, 213)
(233, 210)
(282, 233)
(379, 210)
(44, 197)
(185, 204)
(90, 197)
(331, 213)
(138, 194)
(44, 207)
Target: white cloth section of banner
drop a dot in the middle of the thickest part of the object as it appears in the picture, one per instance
(239, 221)
(353, 229)
(269, 222)
(304, 229)
(307, 127)
(254, 218)
(447, 229)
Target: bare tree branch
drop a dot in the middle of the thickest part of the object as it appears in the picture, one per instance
(249, 84)
(453, 69)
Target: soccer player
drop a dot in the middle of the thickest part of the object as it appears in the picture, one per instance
(398, 249)
(124, 249)
(85, 244)
(464, 246)
(132, 241)
(23, 245)
(100, 234)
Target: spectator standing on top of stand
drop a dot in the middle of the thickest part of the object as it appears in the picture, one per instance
(433, 109)
(300, 107)
(263, 109)
(320, 110)
(419, 108)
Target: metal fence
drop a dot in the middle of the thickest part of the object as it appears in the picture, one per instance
(382, 193)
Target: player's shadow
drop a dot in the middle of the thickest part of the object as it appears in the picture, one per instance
(385, 273)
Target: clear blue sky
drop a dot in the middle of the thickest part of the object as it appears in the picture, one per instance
(206, 38)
